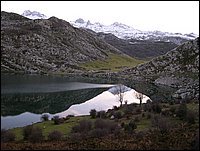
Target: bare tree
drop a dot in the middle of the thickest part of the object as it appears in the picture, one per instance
(140, 97)
(120, 93)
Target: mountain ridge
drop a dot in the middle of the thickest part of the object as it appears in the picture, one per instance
(43, 45)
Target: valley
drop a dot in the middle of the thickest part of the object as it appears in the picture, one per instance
(83, 85)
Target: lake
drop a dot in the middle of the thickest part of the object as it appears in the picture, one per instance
(25, 97)
(28, 96)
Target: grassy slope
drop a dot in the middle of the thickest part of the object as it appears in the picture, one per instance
(49, 126)
(113, 63)
(65, 128)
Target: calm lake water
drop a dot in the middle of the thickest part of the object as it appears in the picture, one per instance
(25, 97)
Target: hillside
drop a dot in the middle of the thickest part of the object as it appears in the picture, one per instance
(178, 68)
(143, 49)
(47, 45)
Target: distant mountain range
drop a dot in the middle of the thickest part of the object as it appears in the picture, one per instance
(133, 42)
(123, 31)
(127, 32)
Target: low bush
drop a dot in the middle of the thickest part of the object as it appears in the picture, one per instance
(45, 117)
(7, 136)
(82, 127)
(55, 135)
(105, 124)
(93, 113)
(191, 117)
(118, 114)
(33, 134)
(101, 114)
(56, 120)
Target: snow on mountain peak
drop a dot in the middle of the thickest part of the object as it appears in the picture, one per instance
(127, 32)
(80, 21)
(34, 15)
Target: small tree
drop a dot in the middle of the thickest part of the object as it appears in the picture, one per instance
(120, 93)
(140, 96)
(93, 113)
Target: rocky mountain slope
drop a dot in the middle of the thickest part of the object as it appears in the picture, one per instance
(138, 48)
(126, 32)
(178, 68)
(47, 45)
(133, 42)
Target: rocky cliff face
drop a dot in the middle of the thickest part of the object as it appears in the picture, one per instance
(47, 45)
(178, 68)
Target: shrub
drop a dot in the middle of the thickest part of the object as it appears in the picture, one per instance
(70, 115)
(98, 132)
(76, 137)
(101, 114)
(105, 124)
(7, 136)
(143, 115)
(115, 108)
(136, 119)
(172, 109)
(132, 124)
(33, 134)
(84, 126)
(93, 113)
(130, 127)
(27, 131)
(55, 135)
(182, 111)
(36, 135)
(118, 114)
(122, 124)
(99, 123)
(45, 117)
(162, 124)
(148, 115)
(156, 108)
(56, 120)
(138, 110)
(128, 109)
(191, 116)
(196, 141)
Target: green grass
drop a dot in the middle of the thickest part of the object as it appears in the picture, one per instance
(144, 123)
(49, 126)
(114, 62)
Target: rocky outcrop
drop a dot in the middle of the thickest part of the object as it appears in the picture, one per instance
(179, 68)
(47, 45)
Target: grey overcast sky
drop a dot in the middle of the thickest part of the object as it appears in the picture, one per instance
(168, 16)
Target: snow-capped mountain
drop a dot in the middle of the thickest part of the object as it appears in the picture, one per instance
(126, 32)
(34, 15)
(122, 31)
